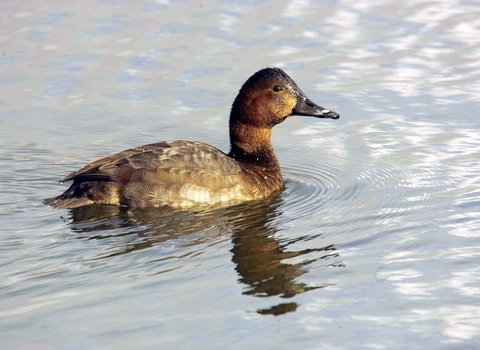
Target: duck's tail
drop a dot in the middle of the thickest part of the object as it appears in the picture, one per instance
(85, 193)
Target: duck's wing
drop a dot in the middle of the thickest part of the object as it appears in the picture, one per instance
(156, 158)
(117, 166)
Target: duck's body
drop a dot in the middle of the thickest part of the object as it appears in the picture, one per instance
(178, 174)
(183, 174)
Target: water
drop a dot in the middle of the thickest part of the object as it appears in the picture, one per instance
(374, 242)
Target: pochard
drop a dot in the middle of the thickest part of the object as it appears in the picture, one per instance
(184, 174)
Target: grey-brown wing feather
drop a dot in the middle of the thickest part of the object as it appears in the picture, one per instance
(164, 160)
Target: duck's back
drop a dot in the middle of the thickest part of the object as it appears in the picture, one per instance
(173, 173)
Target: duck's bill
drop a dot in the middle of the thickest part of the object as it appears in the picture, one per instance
(308, 108)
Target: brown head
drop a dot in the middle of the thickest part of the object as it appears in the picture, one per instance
(266, 99)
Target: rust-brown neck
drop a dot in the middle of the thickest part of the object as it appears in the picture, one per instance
(251, 143)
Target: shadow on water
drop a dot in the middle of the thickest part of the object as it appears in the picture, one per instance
(258, 255)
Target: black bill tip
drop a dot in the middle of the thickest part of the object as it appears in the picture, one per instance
(329, 114)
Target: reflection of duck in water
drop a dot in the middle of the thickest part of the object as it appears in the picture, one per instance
(258, 256)
(182, 174)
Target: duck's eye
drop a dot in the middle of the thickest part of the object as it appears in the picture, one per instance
(277, 88)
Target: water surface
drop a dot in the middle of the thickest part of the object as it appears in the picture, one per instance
(375, 241)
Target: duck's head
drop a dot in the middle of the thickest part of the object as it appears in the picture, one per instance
(270, 96)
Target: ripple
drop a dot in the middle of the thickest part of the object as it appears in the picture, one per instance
(375, 190)
(314, 185)
(306, 186)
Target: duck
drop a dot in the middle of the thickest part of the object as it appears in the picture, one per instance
(186, 174)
